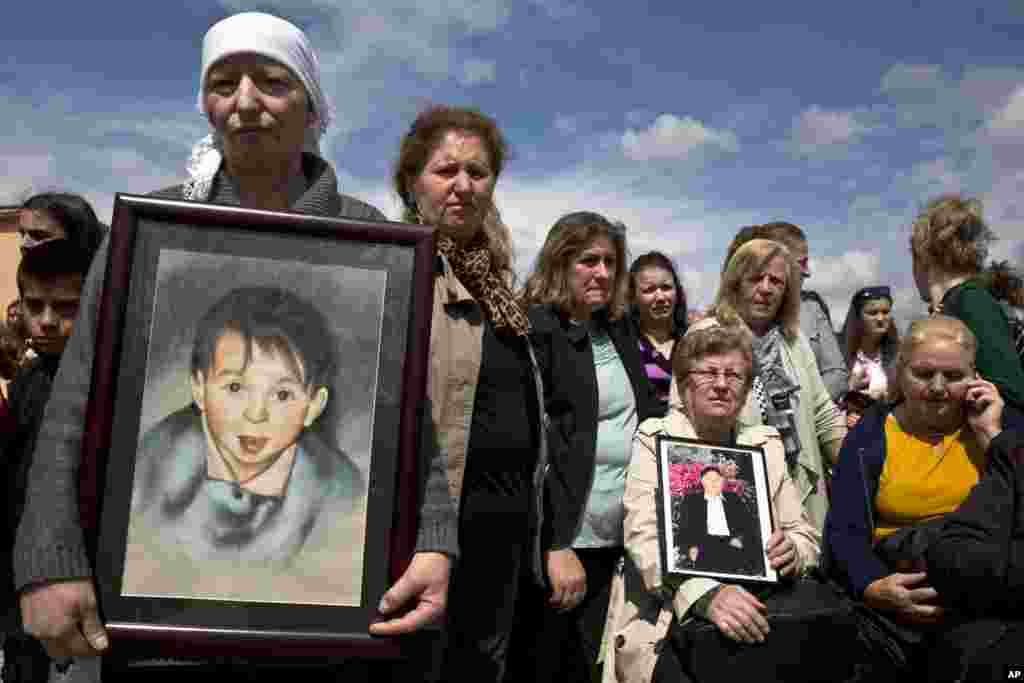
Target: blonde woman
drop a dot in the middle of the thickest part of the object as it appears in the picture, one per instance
(760, 290)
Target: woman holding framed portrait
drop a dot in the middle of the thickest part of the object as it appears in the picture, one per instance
(260, 91)
(712, 376)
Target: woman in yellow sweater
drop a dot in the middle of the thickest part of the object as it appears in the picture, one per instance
(900, 470)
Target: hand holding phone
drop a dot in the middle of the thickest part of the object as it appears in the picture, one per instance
(983, 407)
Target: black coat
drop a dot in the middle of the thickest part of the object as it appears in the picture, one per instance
(977, 561)
(741, 526)
(566, 358)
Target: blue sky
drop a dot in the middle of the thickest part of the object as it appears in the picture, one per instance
(686, 121)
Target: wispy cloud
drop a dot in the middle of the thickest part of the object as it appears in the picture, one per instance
(1008, 121)
(674, 137)
(816, 128)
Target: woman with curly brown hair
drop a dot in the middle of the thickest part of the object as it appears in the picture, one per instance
(482, 434)
(949, 243)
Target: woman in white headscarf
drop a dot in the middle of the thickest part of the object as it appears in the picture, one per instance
(259, 88)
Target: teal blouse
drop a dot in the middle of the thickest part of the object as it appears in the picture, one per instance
(616, 423)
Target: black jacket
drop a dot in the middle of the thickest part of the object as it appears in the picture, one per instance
(977, 562)
(571, 400)
(741, 526)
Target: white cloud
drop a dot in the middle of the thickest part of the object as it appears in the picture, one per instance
(477, 71)
(833, 272)
(419, 33)
(35, 171)
(1004, 212)
(815, 128)
(672, 137)
(836, 278)
(1008, 121)
(181, 130)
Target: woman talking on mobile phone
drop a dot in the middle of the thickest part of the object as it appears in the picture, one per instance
(901, 469)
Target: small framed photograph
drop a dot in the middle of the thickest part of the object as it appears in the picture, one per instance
(714, 514)
(249, 474)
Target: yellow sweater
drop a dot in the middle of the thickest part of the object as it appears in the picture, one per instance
(922, 479)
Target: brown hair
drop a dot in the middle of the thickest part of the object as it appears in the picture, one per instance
(1004, 282)
(569, 236)
(934, 328)
(950, 233)
(418, 144)
(12, 346)
(656, 259)
(779, 231)
(709, 340)
(753, 257)
(852, 332)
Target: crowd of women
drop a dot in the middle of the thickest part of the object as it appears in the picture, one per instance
(893, 467)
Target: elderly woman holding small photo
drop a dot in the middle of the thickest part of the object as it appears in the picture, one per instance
(761, 290)
(712, 378)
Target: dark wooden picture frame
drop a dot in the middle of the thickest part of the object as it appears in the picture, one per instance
(216, 249)
(689, 551)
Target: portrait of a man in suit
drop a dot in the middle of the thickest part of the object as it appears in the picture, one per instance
(723, 529)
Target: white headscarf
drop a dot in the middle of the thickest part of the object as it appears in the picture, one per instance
(271, 37)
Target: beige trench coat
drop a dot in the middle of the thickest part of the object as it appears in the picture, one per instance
(456, 350)
(640, 610)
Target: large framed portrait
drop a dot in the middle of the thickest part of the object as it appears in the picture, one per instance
(714, 516)
(255, 409)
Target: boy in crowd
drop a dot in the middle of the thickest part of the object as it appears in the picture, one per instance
(49, 280)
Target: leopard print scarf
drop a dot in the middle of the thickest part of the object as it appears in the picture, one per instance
(472, 265)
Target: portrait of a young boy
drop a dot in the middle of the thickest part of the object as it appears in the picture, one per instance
(241, 481)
